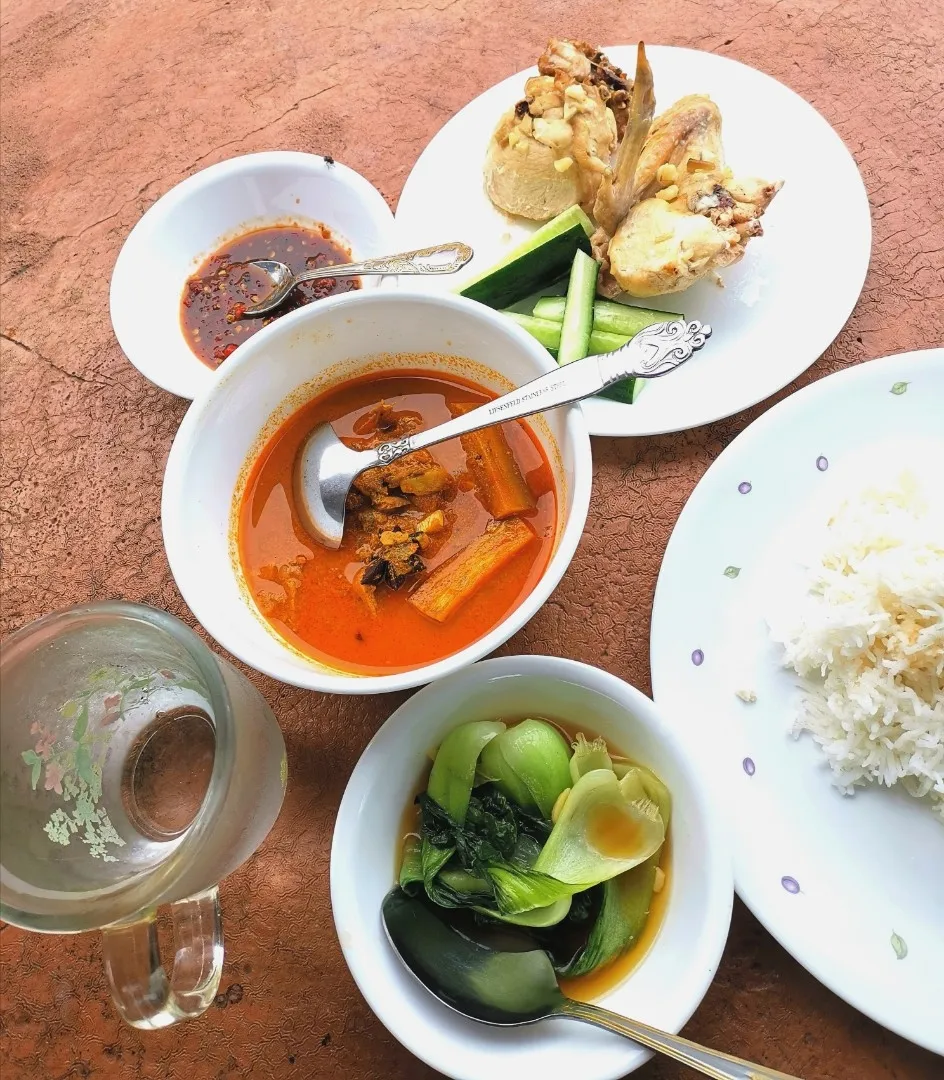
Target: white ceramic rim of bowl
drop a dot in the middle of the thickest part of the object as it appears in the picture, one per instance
(174, 490)
(718, 875)
(125, 315)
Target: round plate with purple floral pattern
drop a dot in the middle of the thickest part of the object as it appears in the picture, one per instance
(851, 884)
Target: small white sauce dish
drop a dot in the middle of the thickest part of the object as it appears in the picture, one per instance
(664, 988)
(268, 378)
(202, 213)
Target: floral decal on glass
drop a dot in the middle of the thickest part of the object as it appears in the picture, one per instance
(71, 748)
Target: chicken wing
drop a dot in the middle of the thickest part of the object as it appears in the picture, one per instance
(617, 190)
(689, 215)
(551, 150)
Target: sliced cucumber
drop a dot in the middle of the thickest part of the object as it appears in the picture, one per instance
(626, 391)
(613, 325)
(601, 342)
(608, 316)
(542, 259)
(578, 309)
(548, 333)
(546, 328)
(545, 331)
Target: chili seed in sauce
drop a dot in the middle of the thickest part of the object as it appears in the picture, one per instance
(214, 300)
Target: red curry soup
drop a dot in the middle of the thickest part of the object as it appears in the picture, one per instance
(217, 295)
(439, 546)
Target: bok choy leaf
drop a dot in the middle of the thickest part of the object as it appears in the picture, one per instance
(620, 921)
(455, 860)
(530, 763)
(588, 756)
(494, 830)
(600, 833)
(453, 772)
(517, 891)
(638, 782)
(411, 868)
(537, 917)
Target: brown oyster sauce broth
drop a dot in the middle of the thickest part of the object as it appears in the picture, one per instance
(225, 284)
(595, 984)
(329, 620)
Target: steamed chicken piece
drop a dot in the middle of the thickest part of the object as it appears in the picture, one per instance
(618, 189)
(550, 151)
(691, 215)
(581, 62)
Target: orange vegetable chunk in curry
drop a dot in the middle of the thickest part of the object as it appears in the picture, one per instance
(424, 568)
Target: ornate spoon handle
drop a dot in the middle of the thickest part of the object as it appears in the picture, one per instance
(655, 351)
(441, 259)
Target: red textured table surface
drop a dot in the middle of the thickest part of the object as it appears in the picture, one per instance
(107, 104)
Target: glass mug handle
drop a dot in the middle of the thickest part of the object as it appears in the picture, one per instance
(143, 994)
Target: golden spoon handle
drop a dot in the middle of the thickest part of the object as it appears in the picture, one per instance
(709, 1062)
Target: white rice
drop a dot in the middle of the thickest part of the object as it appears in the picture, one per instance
(867, 636)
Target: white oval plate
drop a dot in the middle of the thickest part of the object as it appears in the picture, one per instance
(845, 883)
(782, 304)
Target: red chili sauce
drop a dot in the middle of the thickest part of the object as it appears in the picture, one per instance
(214, 299)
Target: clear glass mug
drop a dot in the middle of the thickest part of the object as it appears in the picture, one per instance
(136, 769)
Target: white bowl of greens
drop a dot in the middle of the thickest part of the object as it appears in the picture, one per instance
(654, 786)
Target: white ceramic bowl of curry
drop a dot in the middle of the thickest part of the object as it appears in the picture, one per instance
(256, 206)
(234, 541)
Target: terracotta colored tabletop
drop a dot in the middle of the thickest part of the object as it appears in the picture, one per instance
(106, 105)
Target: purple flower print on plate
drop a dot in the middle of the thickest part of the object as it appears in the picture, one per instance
(790, 884)
(748, 766)
(698, 658)
(744, 487)
(822, 463)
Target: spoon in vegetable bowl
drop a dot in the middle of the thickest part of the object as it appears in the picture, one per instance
(441, 259)
(509, 989)
(325, 468)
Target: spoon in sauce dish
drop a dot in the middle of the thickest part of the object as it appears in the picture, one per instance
(326, 468)
(509, 989)
(441, 259)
